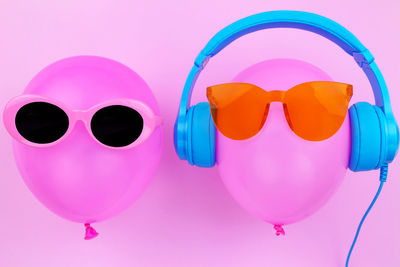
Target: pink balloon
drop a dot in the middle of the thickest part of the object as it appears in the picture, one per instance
(78, 178)
(276, 175)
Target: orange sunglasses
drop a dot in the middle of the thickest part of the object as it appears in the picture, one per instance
(314, 110)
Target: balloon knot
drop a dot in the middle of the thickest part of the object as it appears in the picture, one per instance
(90, 233)
(279, 230)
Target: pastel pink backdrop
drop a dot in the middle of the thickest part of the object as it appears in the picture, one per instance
(186, 217)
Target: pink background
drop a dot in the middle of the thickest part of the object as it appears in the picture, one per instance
(186, 217)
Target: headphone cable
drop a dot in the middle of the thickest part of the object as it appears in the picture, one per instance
(382, 179)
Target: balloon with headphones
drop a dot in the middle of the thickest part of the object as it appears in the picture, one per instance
(298, 151)
(314, 111)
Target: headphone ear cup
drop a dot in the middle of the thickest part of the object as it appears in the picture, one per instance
(368, 137)
(200, 136)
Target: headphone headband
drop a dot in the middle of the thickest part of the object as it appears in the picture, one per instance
(285, 19)
(292, 19)
(305, 21)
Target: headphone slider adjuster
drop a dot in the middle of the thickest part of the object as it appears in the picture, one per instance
(364, 58)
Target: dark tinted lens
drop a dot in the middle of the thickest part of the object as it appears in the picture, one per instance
(41, 122)
(116, 125)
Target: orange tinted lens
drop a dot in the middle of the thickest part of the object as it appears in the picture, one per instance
(316, 110)
(238, 109)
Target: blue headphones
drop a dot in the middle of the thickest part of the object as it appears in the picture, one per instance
(374, 131)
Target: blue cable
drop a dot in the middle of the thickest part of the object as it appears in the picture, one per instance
(382, 178)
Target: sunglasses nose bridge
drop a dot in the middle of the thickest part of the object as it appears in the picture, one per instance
(276, 96)
(80, 115)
